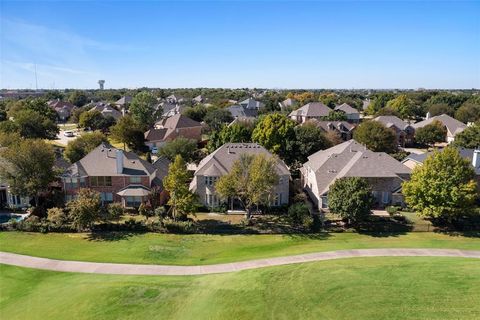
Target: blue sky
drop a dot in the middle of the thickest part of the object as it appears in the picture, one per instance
(268, 44)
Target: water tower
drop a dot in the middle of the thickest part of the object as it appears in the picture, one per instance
(101, 83)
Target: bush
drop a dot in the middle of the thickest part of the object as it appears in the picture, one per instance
(392, 210)
(115, 211)
(298, 213)
(57, 216)
(179, 226)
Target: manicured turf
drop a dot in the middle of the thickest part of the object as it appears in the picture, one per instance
(362, 288)
(154, 248)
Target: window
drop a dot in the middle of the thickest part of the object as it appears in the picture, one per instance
(385, 197)
(211, 200)
(107, 197)
(135, 179)
(277, 201)
(210, 181)
(133, 201)
(73, 183)
(100, 181)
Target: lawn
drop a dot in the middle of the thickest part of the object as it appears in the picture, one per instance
(360, 288)
(152, 248)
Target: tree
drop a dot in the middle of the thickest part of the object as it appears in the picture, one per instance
(468, 112)
(31, 125)
(181, 200)
(431, 133)
(403, 105)
(335, 116)
(443, 187)
(469, 138)
(142, 109)
(85, 209)
(328, 99)
(37, 105)
(234, 133)
(57, 216)
(78, 98)
(215, 118)
(187, 148)
(94, 120)
(376, 137)
(308, 140)
(114, 211)
(196, 113)
(80, 147)
(351, 198)
(379, 101)
(251, 180)
(275, 131)
(440, 108)
(28, 167)
(128, 132)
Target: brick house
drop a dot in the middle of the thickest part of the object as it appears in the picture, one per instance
(351, 159)
(171, 128)
(220, 162)
(118, 176)
(404, 132)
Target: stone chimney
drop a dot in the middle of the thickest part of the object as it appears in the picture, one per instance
(119, 161)
(476, 159)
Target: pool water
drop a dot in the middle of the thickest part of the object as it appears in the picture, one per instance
(4, 218)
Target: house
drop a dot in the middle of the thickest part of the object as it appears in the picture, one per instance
(170, 128)
(220, 162)
(350, 112)
(404, 132)
(287, 104)
(124, 102)
(170, 109)
(312, 110)
(106, 110)
(63, 108)
(366, 104)
(175, 99)
(453, 125)
(118, 176)
(238, 111)
(8, 200)
(198, 99)
(251, 104)
(351, 159)
(344, 129)
(472, 155)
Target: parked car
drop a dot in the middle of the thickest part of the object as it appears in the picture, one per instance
(154, 150)
(68, 134)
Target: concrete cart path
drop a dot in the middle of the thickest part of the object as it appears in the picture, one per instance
(170, 270)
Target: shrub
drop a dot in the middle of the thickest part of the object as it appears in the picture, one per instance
(179, 226)
(115, 211)
(57, 216)
(298, 213)
(392, 210)
(161, 212)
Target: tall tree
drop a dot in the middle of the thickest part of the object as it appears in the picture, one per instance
(251, 180)
(32, 124)
(237, 132)
(468, 112)
(441, 108)
(28, 167)
(403, 105)
(215, 118)
(308, 140)
(196, 113)
(80, 147)
(469, 138)
(185, 147)
(443, 187)
(376, 136)
(182, 200)
(78, 98)
(142, 109)
(351, 198)
(275, 132)
(128, 132)
(85, 209)
(431, 133)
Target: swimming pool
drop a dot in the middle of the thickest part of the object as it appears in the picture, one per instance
(4, 218)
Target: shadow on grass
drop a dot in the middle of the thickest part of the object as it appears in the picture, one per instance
(111, 235)
(384, 227)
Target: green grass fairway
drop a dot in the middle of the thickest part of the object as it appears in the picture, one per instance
(361, 288)
(151, 248)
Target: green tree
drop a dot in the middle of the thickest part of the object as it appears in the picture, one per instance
(31, 124)
(441, 108)
(431, 133)
(469, 138)
(468, 112)
(308, 140)
(275, 132)
(335, 116)
(187, 148)
(28, 167)
(443, 187)
(78, 98)
(351, 198)
(379, 101)
(128, 132)
(215, 118)
(234, 133)
(251, 180)
(376, 137)
(57, 216)
(142, 109)
(403, 105)
(85, 209)
(37, 105)
(80, 147)
(181, 201)
(94, 120)
(328, 99)
(196, 113)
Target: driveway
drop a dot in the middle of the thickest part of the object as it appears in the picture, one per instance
(168, 270)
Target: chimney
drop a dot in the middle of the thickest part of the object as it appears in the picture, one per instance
(119, 160)
(427, 116)
(476, 158)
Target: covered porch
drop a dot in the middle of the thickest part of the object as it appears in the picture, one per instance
(134, 195)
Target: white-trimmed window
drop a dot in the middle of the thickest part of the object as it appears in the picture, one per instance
(210, 181)
(277, 200)
(211, 200)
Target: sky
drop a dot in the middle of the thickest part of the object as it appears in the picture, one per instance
(237, 44)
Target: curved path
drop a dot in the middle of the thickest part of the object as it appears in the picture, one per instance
(144, 269)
